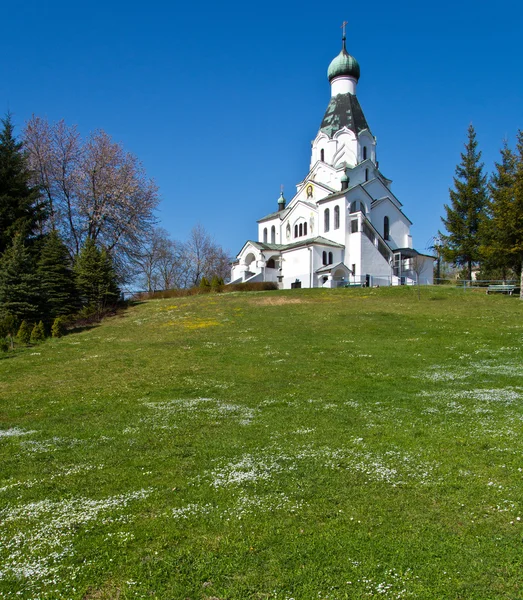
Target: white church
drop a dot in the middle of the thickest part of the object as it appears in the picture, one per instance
(344, 226)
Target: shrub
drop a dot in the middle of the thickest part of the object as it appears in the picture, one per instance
(4, 345)
(38, 333)
(24, 333)
(204, 283)
(59, 327)
(216, 284)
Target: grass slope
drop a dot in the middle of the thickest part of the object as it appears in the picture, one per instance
(307, 444)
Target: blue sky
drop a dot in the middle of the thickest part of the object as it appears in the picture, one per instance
(220, 101)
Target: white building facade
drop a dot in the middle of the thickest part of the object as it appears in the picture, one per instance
(344, 226)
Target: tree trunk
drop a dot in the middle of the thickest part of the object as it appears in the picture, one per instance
(521, 282)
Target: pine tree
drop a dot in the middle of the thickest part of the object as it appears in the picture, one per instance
(19, 293)
(464, 216)
(20, 209)
(56, 277)
(24, 333)
(95, 277)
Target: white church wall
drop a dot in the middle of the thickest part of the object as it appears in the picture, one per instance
(346, 148)
(373, 263)
(297, 266)
(399, 227)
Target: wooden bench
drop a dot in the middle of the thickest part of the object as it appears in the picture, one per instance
(350, 284)
(502, 288)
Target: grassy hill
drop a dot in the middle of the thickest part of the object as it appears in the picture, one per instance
(308, 444)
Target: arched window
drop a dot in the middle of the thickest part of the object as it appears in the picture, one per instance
(324, 257)
(330, 258)
(305, 229)
(362, 207)
(326, 220)
(265, 235)
(353, 208)
(364, 152)
(301, 229)
(366, 174)
(322, 155)
(386, 228)
(273, 235)
(271, 264)
(296, 231)
(336, 217)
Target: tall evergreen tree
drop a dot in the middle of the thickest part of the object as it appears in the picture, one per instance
(468, 200)
(56, 277)
(493, 232)
(20, 208)
(95, 276)
(19, 293)
(504, 239)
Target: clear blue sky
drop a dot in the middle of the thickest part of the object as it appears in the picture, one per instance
(220, 101)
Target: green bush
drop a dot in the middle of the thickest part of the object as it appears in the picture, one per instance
(204, 283)
(259, 286)
(59, 327)
(24, 333)
(38, 333)
(4, 345)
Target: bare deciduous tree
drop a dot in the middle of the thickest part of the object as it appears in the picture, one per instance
(94, 189)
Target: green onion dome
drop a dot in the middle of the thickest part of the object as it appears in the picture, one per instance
(344, 65)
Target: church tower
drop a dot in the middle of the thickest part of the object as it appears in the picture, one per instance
(344, 139)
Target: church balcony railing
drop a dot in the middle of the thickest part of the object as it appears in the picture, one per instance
(375, 238)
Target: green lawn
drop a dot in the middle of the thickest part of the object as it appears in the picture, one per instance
(303, 445)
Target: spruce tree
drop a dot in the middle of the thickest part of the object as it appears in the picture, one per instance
(504, 239)
(468, 200)
(56, 277)
(19, 293)
(20, 209)
(95, 277)
(495, 258)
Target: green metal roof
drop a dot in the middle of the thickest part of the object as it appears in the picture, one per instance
(306, 242)
(344, 64)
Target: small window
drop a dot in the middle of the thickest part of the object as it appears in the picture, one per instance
(296, 231)
(326, 219)
(366, 174)
(271, 264)
(265, 235)
(364, 152)
(386, 228)
(322, 155)
(324, 257)
(336, 217)
(305, 229)
(330, 258)
(362, 207)
(273, 235)
(354, 226)
(353, 208)
(301, 229)
(353, 269)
